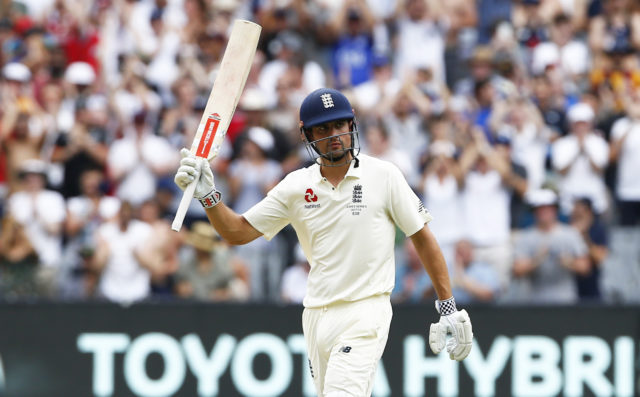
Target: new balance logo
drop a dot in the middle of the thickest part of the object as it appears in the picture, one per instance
(345, 349)
(327, 101)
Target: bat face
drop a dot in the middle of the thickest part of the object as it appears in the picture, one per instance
(208, 135)
(227, 88)
(223, 98)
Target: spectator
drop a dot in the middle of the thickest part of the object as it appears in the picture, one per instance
(441, 188)
(18, 262)
(379, 90)
(85, 214)
(405, 123)
(562, 52)
(489, 179)
(420, 39)
(379, 146)
(412, 284)
(552, 103)
(287, 51)
(580, 158)
(520, 122)
(294, 279)
(549, 254)
(625, 152)
(138, 159)
(86, 145)
(252, 175)
(350, 32)
(209, 271)
(474, 281)
(122, 258)
(163, 248)
(41, 213)
(594, 235)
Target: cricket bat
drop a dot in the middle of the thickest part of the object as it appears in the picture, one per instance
(223, 98)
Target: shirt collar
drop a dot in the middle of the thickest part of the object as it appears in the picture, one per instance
(351, 172)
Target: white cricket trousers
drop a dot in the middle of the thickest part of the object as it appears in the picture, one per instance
(345, 341)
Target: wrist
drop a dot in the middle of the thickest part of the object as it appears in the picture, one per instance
(446, 307)
(210, 199)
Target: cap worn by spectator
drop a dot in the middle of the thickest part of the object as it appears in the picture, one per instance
(261, 137)
(580, 112)
(80, 73)
(16, 71)
(545, 56)
(541, 198)
(203, 236)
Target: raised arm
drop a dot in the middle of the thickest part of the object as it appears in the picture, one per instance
(232, 227)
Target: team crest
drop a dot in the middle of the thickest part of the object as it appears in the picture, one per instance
(357, 194)
(327, 100)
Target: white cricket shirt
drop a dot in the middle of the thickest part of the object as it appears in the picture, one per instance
(347, 232)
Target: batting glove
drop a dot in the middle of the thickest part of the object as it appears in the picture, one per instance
(192, 168)
(455, 322)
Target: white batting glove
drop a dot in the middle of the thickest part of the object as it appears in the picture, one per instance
(455, 322)
(192, 168)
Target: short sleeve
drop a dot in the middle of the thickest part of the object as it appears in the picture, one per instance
(619, 128)
(405, 208)
(271, 214)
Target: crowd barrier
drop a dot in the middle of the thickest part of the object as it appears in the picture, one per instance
(178, 349)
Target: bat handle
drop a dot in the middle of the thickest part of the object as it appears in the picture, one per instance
(184, 206)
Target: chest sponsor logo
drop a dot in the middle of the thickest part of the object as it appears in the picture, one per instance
(310, 197)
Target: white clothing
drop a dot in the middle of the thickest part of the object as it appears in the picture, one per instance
(573, 57)
(313, 77)
(369, 94)
(347, 232)
(123, 279)
(628, 184)
(35, 214)
(420, 44)
(485, 205)
(443, 198)
(529, 149)
(139, 183)
(345, 341)
(82, 207)
(581, 180)
(294, 283)
(408, 136)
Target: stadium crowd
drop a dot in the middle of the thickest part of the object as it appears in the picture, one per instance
(516, 122)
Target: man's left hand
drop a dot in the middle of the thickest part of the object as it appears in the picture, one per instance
(458, 324)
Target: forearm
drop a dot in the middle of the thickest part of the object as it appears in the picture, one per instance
(231, 226)
(433, 261)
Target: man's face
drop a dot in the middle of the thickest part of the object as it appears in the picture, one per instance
(333, 139)
(546, 214)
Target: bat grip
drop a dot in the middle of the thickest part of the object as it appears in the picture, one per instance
(184, 206)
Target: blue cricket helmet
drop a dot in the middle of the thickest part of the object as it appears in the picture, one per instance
(323, 105)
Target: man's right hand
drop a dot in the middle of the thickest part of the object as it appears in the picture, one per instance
(192, 168)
